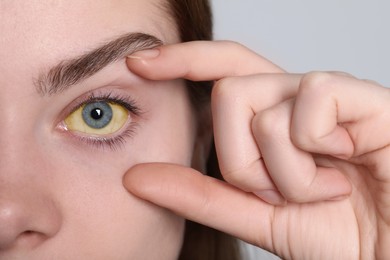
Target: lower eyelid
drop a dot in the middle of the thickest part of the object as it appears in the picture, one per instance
(102, 142)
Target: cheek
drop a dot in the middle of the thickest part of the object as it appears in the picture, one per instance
(101, 219)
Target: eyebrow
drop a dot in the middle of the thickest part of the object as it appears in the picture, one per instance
(72, 71)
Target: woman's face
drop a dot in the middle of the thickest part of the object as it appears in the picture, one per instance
(71, 125)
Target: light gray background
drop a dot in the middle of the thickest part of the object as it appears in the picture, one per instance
(306, 35)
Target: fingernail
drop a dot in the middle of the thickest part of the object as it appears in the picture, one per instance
(145, 54)
(271, 196)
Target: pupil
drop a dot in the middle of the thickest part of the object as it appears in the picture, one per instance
(97, 113)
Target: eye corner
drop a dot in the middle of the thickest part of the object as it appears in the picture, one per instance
(61, 127)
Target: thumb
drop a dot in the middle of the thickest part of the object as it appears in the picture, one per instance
(204, 200)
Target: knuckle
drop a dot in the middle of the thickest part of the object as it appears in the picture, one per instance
(318, 82)
(240, 57)
(225, 90)
(248, 177)
(303, 190)
(304, 141)
(269, 123)
(316, 89)
(236, 176)
(304, 138)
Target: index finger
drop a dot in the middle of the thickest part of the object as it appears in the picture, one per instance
(199, 61)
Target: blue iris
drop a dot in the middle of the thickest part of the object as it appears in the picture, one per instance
(97, 115)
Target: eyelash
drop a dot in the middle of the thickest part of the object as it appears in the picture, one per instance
(115, 142)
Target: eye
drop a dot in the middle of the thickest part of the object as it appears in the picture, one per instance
(97, 118)
(102, 119)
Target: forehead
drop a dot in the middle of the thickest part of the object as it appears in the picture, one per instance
(39, 33)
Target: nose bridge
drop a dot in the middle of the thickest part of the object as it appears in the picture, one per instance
(20, 154)
(22, 160)
(18, 121)
(16, 146)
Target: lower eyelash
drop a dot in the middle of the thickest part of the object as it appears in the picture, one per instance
(114, 143)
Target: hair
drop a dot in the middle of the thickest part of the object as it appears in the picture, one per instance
(193, 19)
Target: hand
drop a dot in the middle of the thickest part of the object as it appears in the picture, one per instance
(313, 147)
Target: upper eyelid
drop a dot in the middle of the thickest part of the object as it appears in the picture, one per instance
(102, 94)
(129, 104)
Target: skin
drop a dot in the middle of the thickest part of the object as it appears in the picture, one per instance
(62, 198)
(305, 156)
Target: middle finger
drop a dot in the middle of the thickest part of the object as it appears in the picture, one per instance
(235, 101)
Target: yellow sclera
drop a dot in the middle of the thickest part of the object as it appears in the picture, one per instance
(75, 122)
